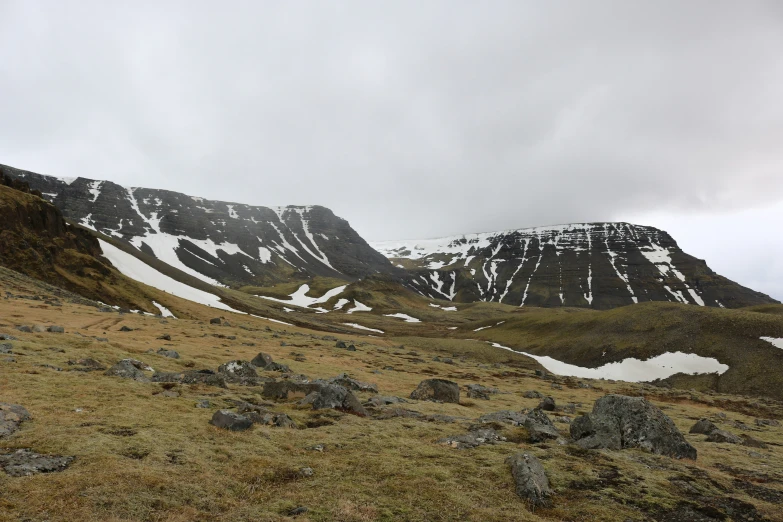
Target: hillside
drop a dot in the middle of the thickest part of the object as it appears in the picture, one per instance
(221, 243)
(593, 265)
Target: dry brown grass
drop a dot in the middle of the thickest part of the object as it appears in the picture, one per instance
(142, 456)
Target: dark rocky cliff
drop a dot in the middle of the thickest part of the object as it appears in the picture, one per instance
(597, 265)
(228, 243)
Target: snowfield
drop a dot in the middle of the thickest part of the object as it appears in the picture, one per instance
(406, 317)
(360, 327)
(141, 271)
(633, 370)
(301, 299)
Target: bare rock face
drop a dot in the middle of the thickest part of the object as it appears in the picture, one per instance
(620, 422)
(532, 484)
(438, 390)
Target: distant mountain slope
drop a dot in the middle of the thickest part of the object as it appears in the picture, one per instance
(596, 265)
(218, 242)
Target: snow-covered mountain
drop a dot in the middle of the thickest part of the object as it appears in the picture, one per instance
(597, 265)
(217, 242)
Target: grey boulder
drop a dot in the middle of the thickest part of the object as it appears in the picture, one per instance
(620, 422)
(24, 462)
(128, 369)
(438, 390)
(11, 416)
(228, 420)
(532, 484)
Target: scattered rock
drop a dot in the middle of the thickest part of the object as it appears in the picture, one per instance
(203, 403)
(504, 417)
(532, 484)
(24, 462)
(548, 404)
(473, 439)
(704, 427)
(335, 397)
(352, 384)
(6, 347)
(262, 360)
(164, 337)
(7, 337)
(438, 390)
(288, 389)
(239, 372)
(619, 422)
(477, 391)
(540, 427)
(168, 353)
(228, 420)
(56, 329)
(306, 472)
(749, 441)
(129, 369)
(767, 422)
(717, 435)
(351, 348)
(563, 420)
(215, 320)
(280, 420)
(24, 329)
(169, 393)
(11, 416)
(381, 400)
(532, 394)
(126, 328)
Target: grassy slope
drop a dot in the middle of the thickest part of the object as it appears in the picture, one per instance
(142, 456)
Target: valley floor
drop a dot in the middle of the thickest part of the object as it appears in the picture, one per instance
(144, 451)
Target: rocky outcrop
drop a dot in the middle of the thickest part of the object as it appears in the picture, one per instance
(620, 422)
(594, 265)
(25, 462)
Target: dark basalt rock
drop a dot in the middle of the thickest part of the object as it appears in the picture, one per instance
(228, 420)
(548, 404)
(619, 422)
(438, 390)
(532, 484)
(24, 462)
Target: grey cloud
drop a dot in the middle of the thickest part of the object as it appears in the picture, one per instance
(407, 118)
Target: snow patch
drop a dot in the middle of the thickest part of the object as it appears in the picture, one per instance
(165, 312)
(360, 327)
(407, 318)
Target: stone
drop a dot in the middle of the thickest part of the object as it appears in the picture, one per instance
(279, 420)
(532, 484)
(352, 384)
(723, 436)
(334, 397)
(767, 422)
(381, 400)
(164, 337)
(340, 344)
(504, 417)
(126, 329)
(239, 372)
(24, 329)
(262, 360)
(438, 390)
(704, 427)
(6, 348)
(306, 472)
(563, 419)
(540, 427)
(351, 348)
(749, 441)
(207, 377)
(548, 404)
(532, 394)
(168, 353)
(473, 439)
(300, 510)
(128, 370)
(228, 420)
(7, 337)
(477, 391)
(24, 462)
(215, 320)
(56, 329)
(169, 393)
(288, 389)
(11, 416)
(620, 422)
(87, 365)
(203, 403)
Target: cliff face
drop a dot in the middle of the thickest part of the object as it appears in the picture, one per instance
(596, 265)
(226, 243)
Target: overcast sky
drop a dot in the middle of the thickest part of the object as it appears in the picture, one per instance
(419, 118)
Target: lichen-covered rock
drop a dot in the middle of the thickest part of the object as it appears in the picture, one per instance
(620, 422)
(473, 439)
(239, 372)
(704, 426)
(438, 390)
(504, 417)
(335, 397)
(24, 462)
(11, 416)
(228, 420)
(262, 360)
(129, 369)
(540, 427)
(532, 484)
